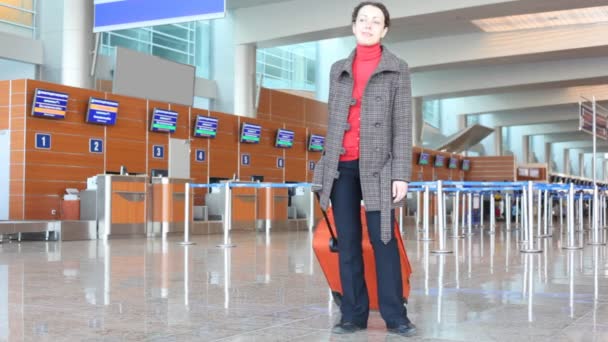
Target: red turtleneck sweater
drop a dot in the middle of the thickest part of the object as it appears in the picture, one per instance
(366, 60)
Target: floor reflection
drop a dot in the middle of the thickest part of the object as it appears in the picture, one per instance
(270, 287)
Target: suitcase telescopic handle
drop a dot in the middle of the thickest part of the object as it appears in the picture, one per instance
(333, 242)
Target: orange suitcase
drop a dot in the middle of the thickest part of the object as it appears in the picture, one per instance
(328, 259)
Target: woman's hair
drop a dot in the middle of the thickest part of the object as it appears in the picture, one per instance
(379, 5)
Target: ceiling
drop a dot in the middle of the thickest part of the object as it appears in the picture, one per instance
(485, 50)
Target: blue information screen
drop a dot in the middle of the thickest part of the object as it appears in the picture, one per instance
(163, 121)
(205, 126)
(316, 143)
(122, 14)
(49, 104)
(251, 133)
(453, 164)
(284, 138)
(102, 112)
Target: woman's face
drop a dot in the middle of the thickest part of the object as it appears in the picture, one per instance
(369, 26)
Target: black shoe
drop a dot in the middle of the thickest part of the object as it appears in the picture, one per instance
(346, 328)
(407, 329)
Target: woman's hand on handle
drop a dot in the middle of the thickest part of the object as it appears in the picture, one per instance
(399, 190)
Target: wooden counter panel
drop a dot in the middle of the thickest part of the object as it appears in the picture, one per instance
(243, 204)
(127, 129)
(16, 209)
(129, 186)
(129, 153)
(40, 207)
(43, 187)
(126, 211)
(59, 173)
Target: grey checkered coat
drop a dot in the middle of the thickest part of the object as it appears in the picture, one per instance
(385, 149)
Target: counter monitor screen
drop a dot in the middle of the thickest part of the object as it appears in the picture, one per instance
(250, 133)
(424, 158)
(102, 112)
(439, 161)
(453, 163)
(205, 126)
(316, 143)
(466, 165)
(163, 121)
(284, 138)
(49, 104)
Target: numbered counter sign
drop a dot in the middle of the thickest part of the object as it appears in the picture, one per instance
(43, 141)
(158, 152)
(280, 162)
(200, 155)
(311, 165)
(245, 159)
(96, 145)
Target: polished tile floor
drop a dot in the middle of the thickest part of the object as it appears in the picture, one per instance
(272, 289)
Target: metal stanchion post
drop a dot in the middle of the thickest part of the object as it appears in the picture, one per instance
(570, 205)
(481, 204)
(561, 212)
(517, 212)
(524, 214)
(492, 214)
(441, 231)
(455, 228)
(418, 212)
(444, 217)
(597, 238)
(530, 247)
(508, 211)
(187, 217)
(227, 216)
(581, 223)
(590, 216)
(547, 207)
(464, 213)
(425, 218)
(470, 218)
(539, 217)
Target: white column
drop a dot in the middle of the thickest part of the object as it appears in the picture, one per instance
(65, 28)
(498, 141)
(548, 156)
(525, 145)
(78, 43)
(244, 80)
(567, 161)
(581, 164)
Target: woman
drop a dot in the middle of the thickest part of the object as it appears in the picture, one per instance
(367, 157)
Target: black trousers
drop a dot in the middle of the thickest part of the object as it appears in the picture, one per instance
(346, 203)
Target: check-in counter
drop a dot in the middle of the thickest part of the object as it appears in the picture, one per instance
(166, 214)
(306, 205)
(244, 203)
(272, 208)
(121, 206)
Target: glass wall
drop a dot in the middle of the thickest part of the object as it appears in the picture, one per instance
(18, 17)
(186, 43)
(431, 112)
(288, 67)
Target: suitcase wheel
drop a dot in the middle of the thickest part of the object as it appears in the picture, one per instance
(333, 245)
(337, 297)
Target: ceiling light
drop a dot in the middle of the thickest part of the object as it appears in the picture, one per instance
(590, 15)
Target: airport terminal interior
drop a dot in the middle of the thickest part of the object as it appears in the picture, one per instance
(157, 160)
